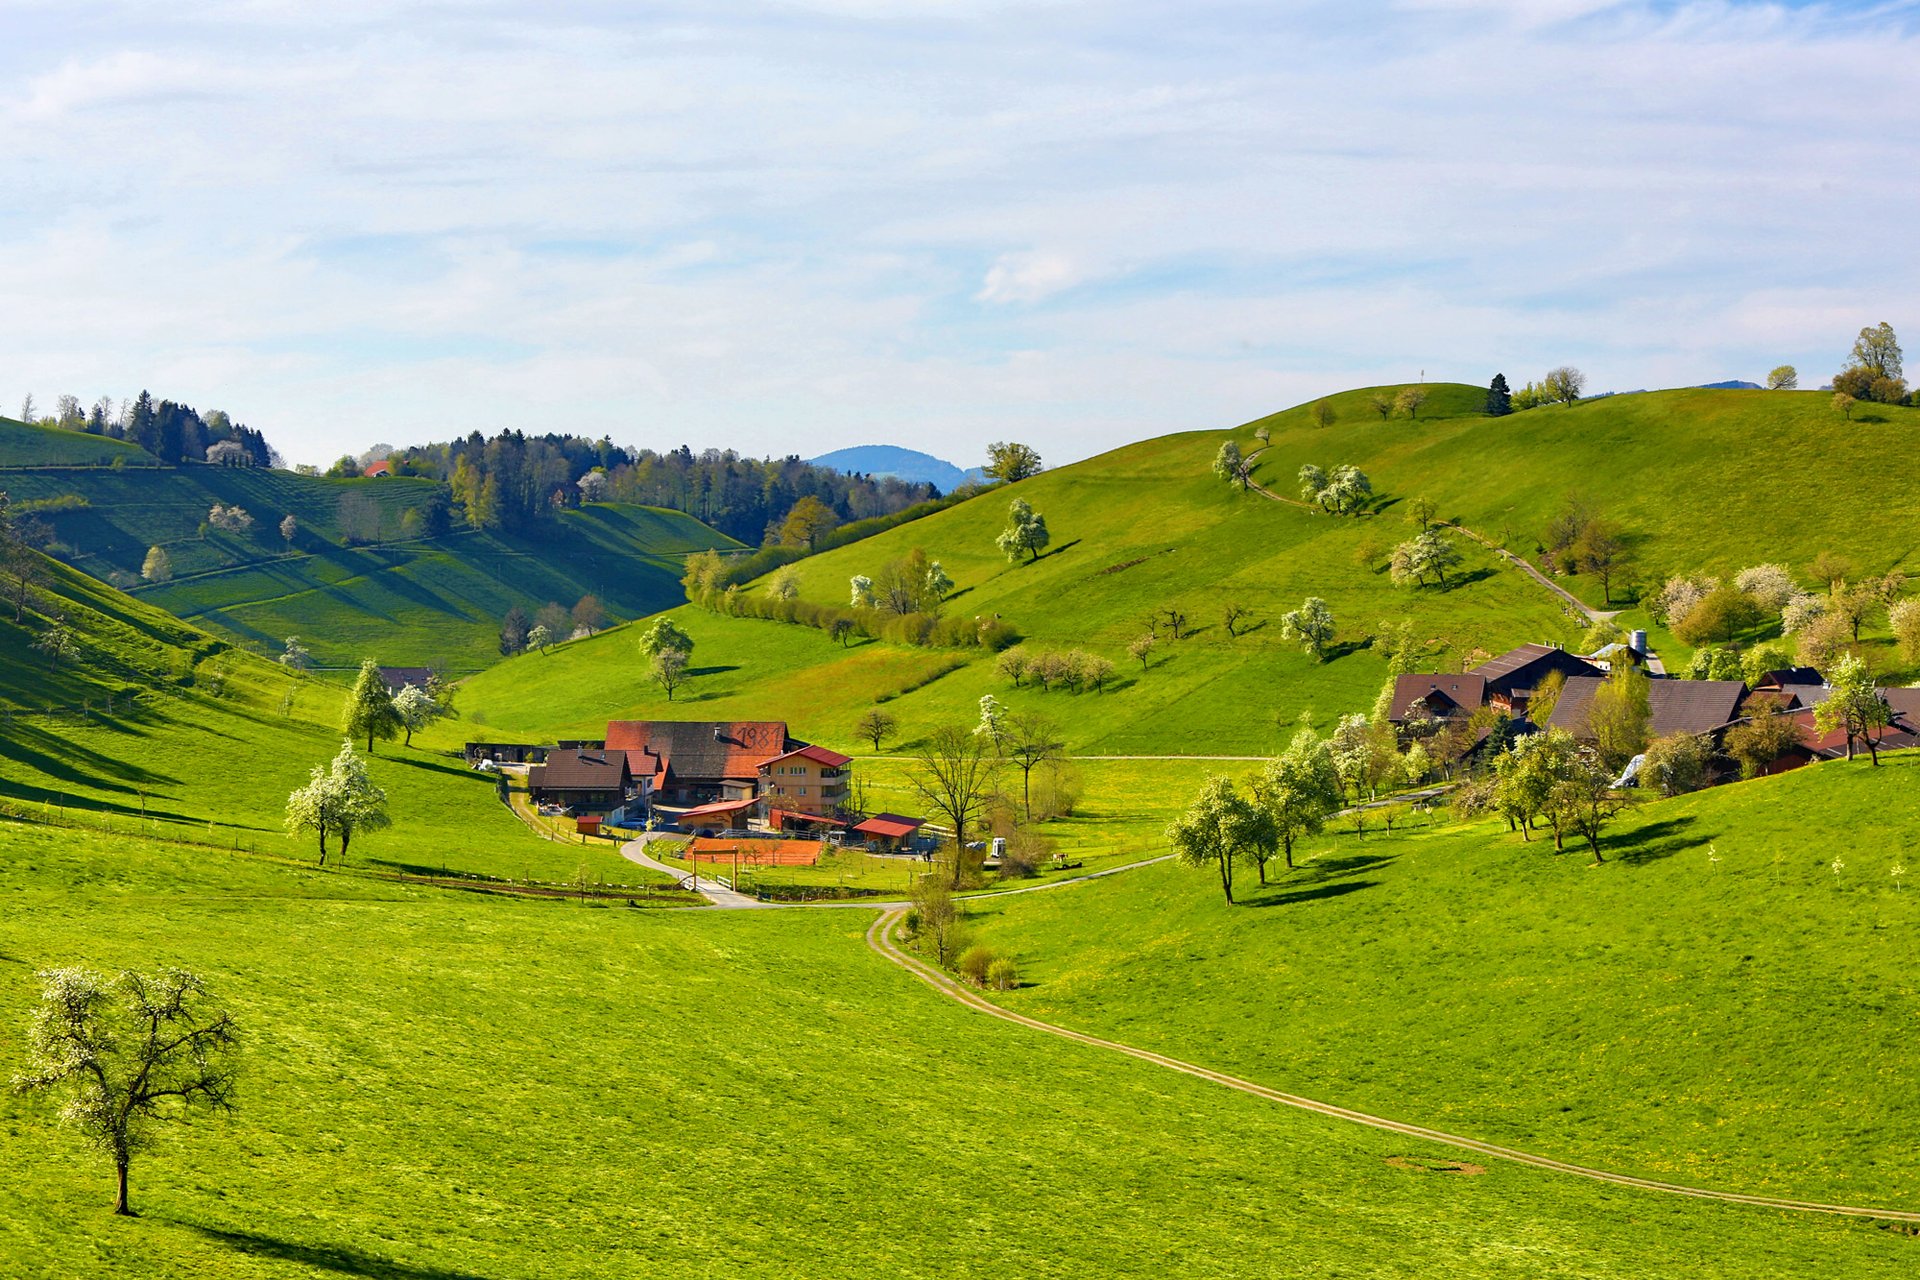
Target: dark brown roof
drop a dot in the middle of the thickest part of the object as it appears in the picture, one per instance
(398, 678)
(1522, 668)
(1790, 675)
(703, 750)
(581, 771)
(1676, 706)
(1442, 693)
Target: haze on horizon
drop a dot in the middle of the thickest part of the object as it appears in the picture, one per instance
(792, 227)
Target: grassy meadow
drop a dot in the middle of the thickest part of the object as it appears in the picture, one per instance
(1727, 1001)
(437, 1086)
(23, 445)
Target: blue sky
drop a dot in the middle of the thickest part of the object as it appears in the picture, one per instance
(796, 226)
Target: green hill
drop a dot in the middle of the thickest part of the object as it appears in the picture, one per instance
(1710, 480)
(154, 725)
(1727, 1001)
(406, 599)
(1134, 532)
(22, 445)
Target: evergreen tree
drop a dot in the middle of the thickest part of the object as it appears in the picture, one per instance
(369, 707)
(1499, 398)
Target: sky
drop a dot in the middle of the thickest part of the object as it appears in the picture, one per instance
(788, 227)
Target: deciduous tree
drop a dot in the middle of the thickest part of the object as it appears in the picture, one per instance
(875, 726)
(1853, 704)
(1219, 828)
(1026, 532)
(1228, 465)
(662, 636)
(668, 667)
(1619, 716)
(954, 775)
(1029, 741)
(369, 711)
(1409, 401)
(1311, 626)
(1784, 378)
(128, 1053)
(809, 521)
(1011, 461)
(1299, 790)
(158, 566)
(1565, 384)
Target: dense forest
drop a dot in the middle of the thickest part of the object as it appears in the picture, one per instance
(514, 481)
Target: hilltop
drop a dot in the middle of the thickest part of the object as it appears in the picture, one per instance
(363, 574)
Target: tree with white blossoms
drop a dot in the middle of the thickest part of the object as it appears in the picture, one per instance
(993, 717)
(1026, 532)
(593, 486)
(939, 582)
(862, 591)
(295, 657)
(1340, 492)
(1311, 626)
(289, 527)
(158, 566)
(416, 708)
(127, 1053)
(1801, 612)
(340, 800)
(1428, 555)
(539, 637)
(230, 519)
(1770, 585)
(1229, 465)
(1679, 596)
(784, 584)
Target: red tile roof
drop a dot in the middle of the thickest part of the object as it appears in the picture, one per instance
(703, 749)
(890, 826)
(722, 809)
(819, 755)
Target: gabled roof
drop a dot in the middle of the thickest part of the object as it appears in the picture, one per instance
(398, 678)
(1438, 690)
(1516, 667)
(1675, 706)
(711, 750)
(720, 809)
(890, 826)
(581, 770)
(1790, 675)
(819, 755)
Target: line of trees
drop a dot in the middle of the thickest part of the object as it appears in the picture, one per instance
(170, 431)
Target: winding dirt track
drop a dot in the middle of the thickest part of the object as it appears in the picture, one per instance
(880, 938)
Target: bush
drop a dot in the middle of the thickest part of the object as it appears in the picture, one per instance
(1003, 975)
(975, 962)
(1675, 764)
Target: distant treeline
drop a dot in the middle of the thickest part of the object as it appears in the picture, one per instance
(171, 432)
(514, 481)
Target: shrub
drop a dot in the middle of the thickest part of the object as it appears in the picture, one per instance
(1904, 617)
(1675, 764)
(974, 963)
(1003, 974)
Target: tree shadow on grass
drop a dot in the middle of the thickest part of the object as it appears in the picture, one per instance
(328, 1258)
(1468, 579)
(1336, 889)
(1346, 649)
(1062, 549)
(1654, 841)
(711, 671)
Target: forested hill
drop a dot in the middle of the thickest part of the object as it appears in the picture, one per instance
(515, 480)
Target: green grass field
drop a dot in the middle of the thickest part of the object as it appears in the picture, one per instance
(1717, 1004)
(436, 1086)
(410, 603)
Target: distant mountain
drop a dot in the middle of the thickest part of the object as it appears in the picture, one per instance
(1732, 385)
(892, 460)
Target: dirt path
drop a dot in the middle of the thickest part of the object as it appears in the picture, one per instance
(880, 938)
(712, 889)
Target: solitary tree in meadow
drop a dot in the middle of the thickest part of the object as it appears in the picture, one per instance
(415, 709)
(1565, 384)
(1499, 397)
(127, 1053)
(875, 726)
(1320, 414)
(1228, 465)
(1218, 829)
(1011, 462)
(158, 566)
(1026, 532)
(1031, 740)
(1140, 649)
(1311, 626)
(1409, 401)
(668, 668)
(369, 710)
(1784, 378)
(539, 638)
(664, 635)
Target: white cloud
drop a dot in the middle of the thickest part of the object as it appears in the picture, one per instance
(1028, 277)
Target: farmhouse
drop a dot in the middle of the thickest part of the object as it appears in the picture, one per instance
(807, 780)
(596, 781)
(700, 762)
(1512, 677)
(1436, 697)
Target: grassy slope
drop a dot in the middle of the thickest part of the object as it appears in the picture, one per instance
(35, 446)
(1709, 480)
(410, 602)
(407, 1112)
(1198, 543)
(218, 768)
(1744, 1024)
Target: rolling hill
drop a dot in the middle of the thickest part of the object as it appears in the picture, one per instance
(406, 599)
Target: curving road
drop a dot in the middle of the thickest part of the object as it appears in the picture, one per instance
(880, 938)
